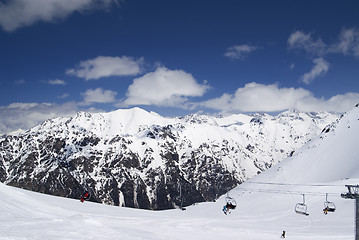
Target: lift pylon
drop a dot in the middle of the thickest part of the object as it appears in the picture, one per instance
(353, 193)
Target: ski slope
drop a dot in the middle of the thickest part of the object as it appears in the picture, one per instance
(29, 215)
(265, 203)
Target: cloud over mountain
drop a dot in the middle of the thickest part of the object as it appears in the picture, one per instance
(99, 95)
(320, 68)
(104, 66)
(254, 97)
(348, 42)
(26, 115)
(20, 13)
(164, 87)
(239, 51)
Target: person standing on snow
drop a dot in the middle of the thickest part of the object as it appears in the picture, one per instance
(85, 196)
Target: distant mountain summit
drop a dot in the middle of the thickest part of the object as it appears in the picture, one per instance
(135, 158)
(332, 156)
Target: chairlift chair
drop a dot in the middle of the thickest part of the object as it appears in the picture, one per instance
(230, 205)
(301, 208)
(231, 201)
(329, 206)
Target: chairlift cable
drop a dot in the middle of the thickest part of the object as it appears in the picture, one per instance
(278, 191)
(295, 184)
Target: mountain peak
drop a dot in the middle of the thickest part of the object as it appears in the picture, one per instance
(330, 157)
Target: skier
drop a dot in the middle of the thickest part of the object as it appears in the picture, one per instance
(283, 234)
(325, 210)
(85, 196)
(227, 207)
(225, 210)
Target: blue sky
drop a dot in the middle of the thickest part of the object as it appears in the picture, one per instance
(58, 57)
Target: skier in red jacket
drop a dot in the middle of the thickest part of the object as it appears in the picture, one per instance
(85, 196)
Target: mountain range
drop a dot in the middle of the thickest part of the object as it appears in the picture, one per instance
(139, 159)
(265, 204)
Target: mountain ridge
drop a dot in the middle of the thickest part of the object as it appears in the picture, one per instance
(138, 159)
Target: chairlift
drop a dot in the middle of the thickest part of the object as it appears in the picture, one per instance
(230, 205)
(231, 202)
(328, 206)
(301, 208)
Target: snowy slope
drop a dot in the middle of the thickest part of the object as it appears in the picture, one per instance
(321, 158)
(29, 215)
(265, 204)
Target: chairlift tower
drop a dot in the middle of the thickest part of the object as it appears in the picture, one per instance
(353, 193)
(180, 196)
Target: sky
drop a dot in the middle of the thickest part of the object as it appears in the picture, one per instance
(58, 57)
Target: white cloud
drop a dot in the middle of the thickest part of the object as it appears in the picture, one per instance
(20, 13)
(26, 115)
(107, 66)
(348, 43)
(239, 51)
(300, 40)
(56, 82)
(164, 87)
(254, 97)
(337, 103)
(320, 67)
(19, 82)
(63, 96)
(98, 95)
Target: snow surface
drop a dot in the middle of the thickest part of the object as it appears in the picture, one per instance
(29, 215)
(265, 204)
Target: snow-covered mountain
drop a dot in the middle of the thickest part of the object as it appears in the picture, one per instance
(265, 203)
(332, 156)
(138, 159)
